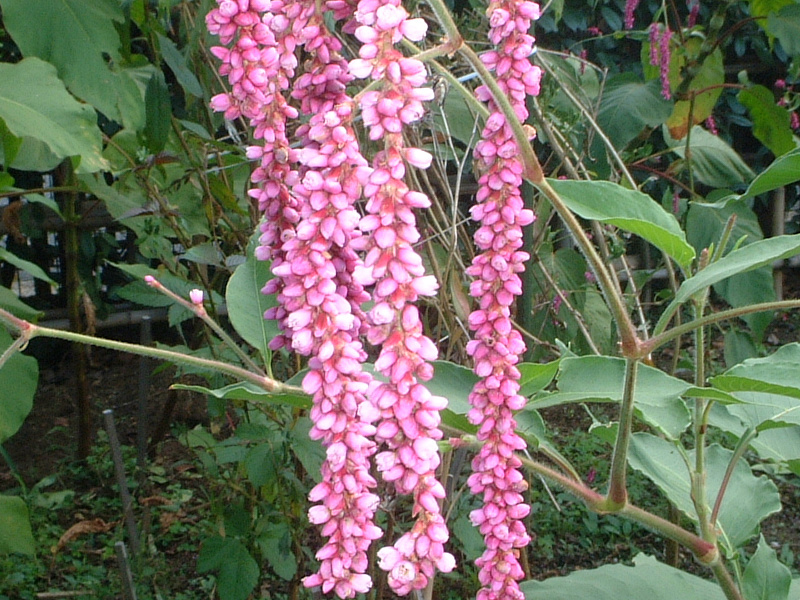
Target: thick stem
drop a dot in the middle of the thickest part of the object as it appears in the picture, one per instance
(617, 490)
(705, 552)
(72, 285)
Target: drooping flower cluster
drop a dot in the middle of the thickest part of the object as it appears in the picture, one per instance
(630, 8)
(409, 413)
(308, 234)
(497, 346)
(660, 55)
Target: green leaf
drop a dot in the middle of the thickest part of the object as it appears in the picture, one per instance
(785, 25)
(535, 377)
(748, 499)
(769, 388)
(11, 302)
(16, 536)
(158, 113)
(714, 162)
(705, 224)
(706, 85)
(237, 571)
(648, 578)
(629, 210)
(276, 545)
(601, 378)
(260, 465)
(629, 105)
(455, 383)
(19, 377)
(784, 170)
(249, 392)
(765, 577)
(177, 63)
(80, 39)
(771, 122)
(36, 107)
(25, 265)
(746, 258)
(246, 303)
(309, 452)
(206, 253)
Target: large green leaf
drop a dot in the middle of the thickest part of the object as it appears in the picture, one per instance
(747, 258)
(601, 379)
(15, 527)
(784, 170)
(769, 387)
(237, 570)
(629, 210)
(785, 25)
(158, 113)
(771, 122)
(714, 162)
(35, 106)
(629, 105)
(18, 379)
(765, 577)
(747, 501)
(246, 303)
(647, 578)
(80, 39)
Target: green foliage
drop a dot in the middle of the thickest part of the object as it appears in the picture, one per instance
(630, 211)
(49, 123)
(647, 578)
(237, 570)
(765, 578)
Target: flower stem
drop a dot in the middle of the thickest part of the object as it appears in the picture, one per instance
(30, 331)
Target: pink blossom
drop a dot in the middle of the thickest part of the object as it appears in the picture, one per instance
(409, 414)
(497, 346)
(630, 8)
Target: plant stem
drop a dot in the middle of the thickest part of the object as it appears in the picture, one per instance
(704, 551)
(741, 446)
(617, 490)
(200, 312)
(29, 330)
(661, 339)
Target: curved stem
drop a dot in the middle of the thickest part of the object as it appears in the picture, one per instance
(31, 331)
(655, 342)
(630, 342)
(744, 442)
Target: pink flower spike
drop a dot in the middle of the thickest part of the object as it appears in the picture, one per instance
(151, 281)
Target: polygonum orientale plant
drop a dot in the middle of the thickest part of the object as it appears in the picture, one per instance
(315, 239)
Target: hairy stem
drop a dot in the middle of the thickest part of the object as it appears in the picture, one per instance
(617, 491)
(31, 331)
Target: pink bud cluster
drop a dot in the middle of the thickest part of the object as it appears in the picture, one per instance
(660, 55)
(630, 8)
(497, 346)
(409, 413)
